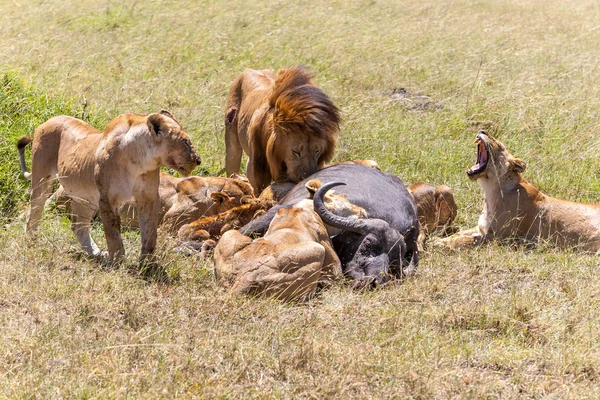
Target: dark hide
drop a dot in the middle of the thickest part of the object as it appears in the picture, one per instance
(385, 198)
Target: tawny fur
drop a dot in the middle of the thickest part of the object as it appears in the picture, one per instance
(366, 163)
(436, 208)
(197, 197)
(102, 170)
(278, 189)
(215, 226)
(286, 125)
(515, 209)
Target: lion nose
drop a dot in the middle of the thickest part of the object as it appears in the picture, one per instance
(196, 159)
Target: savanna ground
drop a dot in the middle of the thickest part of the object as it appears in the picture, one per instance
(415, 81)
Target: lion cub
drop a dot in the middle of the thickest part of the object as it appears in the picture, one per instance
(436, 209)
(514, 208)
(294, 255)
(102, 170)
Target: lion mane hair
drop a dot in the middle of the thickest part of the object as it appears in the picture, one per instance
(300, 106)
(286, 125)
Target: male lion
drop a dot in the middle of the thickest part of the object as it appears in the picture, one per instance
(285, 124)
(102, 170)
(294, 255)
(513, 208)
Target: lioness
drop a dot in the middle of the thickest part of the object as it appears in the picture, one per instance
(285, 124)
(102, 170)
(513, 208)
(293, 256)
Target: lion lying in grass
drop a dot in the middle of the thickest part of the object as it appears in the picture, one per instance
(514, 208)
(292, 258)
(102, 170)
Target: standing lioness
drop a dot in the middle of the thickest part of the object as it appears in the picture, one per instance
(514, 208)
(102, 170)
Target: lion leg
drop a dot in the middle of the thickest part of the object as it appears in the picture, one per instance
(258, 174)
(112, 229)
(233, 148)
(148, 227)
(224, 256)
(40, 192)
(148, 203)
(81, 216)
(467, 238)
(332, 267)
(298, 270)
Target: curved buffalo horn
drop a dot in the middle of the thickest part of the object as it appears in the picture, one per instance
(330, 218)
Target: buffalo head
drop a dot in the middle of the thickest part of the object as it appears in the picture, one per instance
(372, 251)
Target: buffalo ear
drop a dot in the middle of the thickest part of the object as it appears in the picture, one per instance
(155, 123)
(518, 165)
(312, 186)
(219, 197)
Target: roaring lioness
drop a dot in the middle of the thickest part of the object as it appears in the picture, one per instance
(513, 208)
(286, 125)
(103, 170)
(293, 256)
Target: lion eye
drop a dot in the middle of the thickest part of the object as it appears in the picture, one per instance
(296, 153)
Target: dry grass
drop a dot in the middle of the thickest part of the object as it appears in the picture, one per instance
(495, 322)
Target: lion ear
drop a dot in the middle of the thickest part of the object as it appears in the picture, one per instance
(312, 186)
(219, 197)
(518, 165)
(247, 199)
(165, 112)
(155, 123)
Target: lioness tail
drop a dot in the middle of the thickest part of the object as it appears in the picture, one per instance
(21, 144)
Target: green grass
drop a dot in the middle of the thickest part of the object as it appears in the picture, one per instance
(493, 322)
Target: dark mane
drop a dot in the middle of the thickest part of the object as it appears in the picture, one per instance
(299, 105)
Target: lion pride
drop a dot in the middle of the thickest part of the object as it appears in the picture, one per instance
(515, 209)
(286, 125)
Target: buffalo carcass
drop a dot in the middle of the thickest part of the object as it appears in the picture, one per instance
(371, 249)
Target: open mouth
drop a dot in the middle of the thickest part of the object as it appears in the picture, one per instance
(482, 158)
